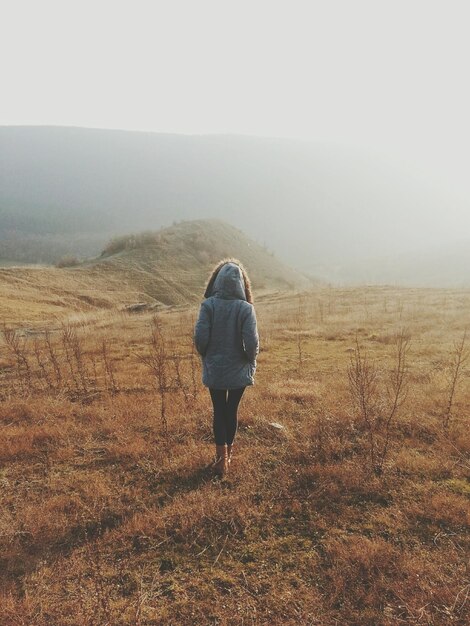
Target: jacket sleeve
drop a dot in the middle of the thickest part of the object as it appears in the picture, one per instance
(250, 335)
(202, 330)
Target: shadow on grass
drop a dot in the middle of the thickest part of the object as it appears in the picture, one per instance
(35, 553)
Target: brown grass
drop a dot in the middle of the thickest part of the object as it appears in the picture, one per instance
(108, 513)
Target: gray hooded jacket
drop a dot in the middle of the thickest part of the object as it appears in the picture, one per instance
(226, 334)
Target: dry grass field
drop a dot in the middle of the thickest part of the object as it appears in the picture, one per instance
(355, 512)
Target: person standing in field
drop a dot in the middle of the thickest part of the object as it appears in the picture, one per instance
(226, 337)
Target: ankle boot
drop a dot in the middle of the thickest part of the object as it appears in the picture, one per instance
(229, 453)
(220, 464)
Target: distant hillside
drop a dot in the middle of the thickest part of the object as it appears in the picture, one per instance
(67, 190)
(174, 266)
(168, 267)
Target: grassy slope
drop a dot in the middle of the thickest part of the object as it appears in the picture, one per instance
(171, 271)
(107, 518)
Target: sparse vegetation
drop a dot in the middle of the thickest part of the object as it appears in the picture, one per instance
(108, 515)
(130, 242)
(459, 357)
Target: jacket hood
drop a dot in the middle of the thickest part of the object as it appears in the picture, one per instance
(229, 283)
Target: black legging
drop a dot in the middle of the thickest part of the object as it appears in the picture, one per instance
(225, 403)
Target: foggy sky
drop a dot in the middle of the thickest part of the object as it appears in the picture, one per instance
(388, 78)
(373, 72)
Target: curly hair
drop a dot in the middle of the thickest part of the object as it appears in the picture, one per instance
(216, 270)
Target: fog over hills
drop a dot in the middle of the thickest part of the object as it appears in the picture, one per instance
(326, 209)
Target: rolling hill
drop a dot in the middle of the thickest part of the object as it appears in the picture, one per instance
(168, 267)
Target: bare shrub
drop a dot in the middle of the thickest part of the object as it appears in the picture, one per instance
(366, 390)
(362, 377)
(109, 373)
(44, 372)
(54, 365)
(458, 358)
(75, 358)
(18, 348)
(157, 362)
(53, 358)
(179, 382)
(397, 388)
(193, 360)
(299, 320)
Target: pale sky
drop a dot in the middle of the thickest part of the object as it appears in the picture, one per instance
(386, 75)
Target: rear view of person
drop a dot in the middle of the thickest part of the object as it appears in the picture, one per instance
(226, 337)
